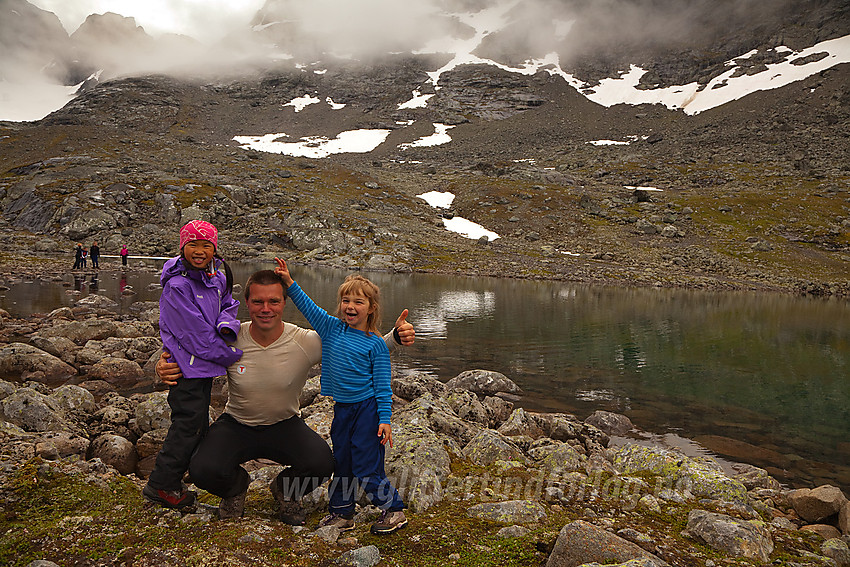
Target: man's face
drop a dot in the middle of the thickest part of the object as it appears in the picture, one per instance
(265, 305)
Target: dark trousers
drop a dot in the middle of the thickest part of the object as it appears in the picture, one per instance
(189, 401)
(124, 260)
(95, 261)
(359, 459)
(216, 465)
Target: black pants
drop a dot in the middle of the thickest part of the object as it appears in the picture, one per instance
(189, 401)
(216, 465)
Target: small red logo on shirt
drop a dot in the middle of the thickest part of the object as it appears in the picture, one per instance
(240, 369)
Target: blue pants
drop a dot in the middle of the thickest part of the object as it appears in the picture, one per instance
(359, 459)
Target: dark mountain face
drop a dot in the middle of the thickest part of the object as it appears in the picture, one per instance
(754, 192)
(30, 39)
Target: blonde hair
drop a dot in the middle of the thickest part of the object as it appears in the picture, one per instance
(358, 285)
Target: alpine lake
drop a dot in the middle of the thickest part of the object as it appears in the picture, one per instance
(745, 377)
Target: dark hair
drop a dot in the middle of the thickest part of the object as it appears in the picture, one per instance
(264, 277)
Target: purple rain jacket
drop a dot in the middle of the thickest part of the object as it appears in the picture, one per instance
(193, 310)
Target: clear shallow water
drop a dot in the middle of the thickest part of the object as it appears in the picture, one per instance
(756, 378)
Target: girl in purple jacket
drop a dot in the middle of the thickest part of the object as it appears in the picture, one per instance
(197, 316)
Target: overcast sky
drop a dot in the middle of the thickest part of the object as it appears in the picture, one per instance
(201, 19)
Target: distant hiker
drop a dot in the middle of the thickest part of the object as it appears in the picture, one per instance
(83, 255)
(78, 256)
(197, 313)
(124, 252)
(94, 252)
(356, 373)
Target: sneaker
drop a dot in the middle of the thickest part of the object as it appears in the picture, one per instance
(169, 498)
(343, 523)
(290, 511)
(233, 507)
(389, 522)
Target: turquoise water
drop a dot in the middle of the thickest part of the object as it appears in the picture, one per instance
(753, 377)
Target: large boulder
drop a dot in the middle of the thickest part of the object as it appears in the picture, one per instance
(736, 537)
(81, 331)
(702, 477)
(610, 423)
(484, 383)
(411, 386)
(28, 362)
(816, 504)
(489, 446)
(466, 405)
(844, 518)
(115, 451)
(73, 401)
(438, 416)
(32, 411)
(60, 444)
(418, 464)
(580, 543)
(119, 372)
(153, 413)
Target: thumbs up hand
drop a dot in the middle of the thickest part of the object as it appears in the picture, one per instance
(404, 330)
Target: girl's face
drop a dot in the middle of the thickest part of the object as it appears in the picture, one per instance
(354, 310)
(199, 253)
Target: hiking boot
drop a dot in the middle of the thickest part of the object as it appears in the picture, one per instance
(169, 498)
(389, 522)
(343, 523)
(289, 511)
(232, 507)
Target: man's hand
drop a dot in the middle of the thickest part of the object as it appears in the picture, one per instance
(385, 433)
(405, 330)
(167, 372)
(283, 272)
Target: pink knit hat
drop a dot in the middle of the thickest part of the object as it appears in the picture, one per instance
(198, 230)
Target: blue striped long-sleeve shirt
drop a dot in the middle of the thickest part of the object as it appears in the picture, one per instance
(355, 364)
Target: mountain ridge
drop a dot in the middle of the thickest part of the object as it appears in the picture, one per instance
(764, 178)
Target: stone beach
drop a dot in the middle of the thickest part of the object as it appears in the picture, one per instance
(78, 402)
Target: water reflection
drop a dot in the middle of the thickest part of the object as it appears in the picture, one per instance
(761, 378)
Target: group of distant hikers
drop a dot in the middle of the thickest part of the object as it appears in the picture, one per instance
(82, 254)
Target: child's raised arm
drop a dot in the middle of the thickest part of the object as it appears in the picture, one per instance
(321, 321)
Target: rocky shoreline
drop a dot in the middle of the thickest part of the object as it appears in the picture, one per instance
(486, 481)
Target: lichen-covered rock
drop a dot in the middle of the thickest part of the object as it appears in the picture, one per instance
(367, 556)
(418, 464)
(521, 422)
(153, 413)
(73, 401)
(510, 512)
(580, 543)
(484, 383)
(436, 414)
(411, 386)
(489, 446)
(466, 405)
(558, 457)
(32, 411)
(701, 477)
(737, 537)
(498, 410)
(844, 518)
(837, 550)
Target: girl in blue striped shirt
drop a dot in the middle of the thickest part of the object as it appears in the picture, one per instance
(356, 373)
